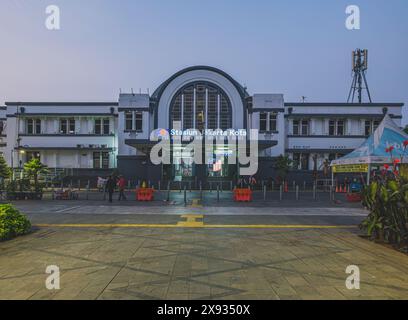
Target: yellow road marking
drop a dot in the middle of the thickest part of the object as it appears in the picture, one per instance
(193, 224)
(191, 221)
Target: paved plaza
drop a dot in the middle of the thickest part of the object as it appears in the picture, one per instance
(165, 251)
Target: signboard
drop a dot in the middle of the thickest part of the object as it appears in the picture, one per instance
(350, 168)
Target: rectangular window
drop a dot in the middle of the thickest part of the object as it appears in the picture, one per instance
(367, 127)
(305, 127)
(97, 160)
(340, 128)
(296, 127)
(139, 121)
(337, 128)
(98, 126)
(101, 160)
(301, 161)
(332, 128)
(71, 126)
(262, 121)
(67, 126)
(38, 126)
(296, 160)
(105, 160)
(33, 126)
(304, 162)
(102, 126)
(370, 126)
(273, 122)
(106, 126)
(128, 121)
(30, 126)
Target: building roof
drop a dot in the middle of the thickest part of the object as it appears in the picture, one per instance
(159, 91)
(62, 104)
(342, 104)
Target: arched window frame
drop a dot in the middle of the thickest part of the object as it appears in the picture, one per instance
(183, 98)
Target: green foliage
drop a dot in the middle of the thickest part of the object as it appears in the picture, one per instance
(32, 169)
(282, 165)
(12, 222)
(387, 200)
(406, 129)
(5, 171)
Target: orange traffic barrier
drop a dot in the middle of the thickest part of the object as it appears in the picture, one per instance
(145, 194)
(243, 195)
(337, 189)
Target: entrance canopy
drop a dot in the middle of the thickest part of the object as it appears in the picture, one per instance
(374, 149)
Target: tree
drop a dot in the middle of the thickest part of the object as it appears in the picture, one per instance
(282, 166)
(33, 168)
(406, 129)
(5, 171)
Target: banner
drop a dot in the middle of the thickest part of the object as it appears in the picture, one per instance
(350, 168)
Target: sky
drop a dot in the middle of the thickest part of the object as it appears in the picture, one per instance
(295, 47)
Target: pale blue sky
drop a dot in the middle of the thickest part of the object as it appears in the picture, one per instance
(295, 47)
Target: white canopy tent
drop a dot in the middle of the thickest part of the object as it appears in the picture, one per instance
(373, 150)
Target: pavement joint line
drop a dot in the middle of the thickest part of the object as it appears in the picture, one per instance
(196, 224)
(67, 209)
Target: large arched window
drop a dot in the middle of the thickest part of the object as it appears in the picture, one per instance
(201, 105)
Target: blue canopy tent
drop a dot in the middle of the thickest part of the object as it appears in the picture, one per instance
(373, 150)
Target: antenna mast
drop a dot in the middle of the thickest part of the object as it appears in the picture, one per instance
(360, 66)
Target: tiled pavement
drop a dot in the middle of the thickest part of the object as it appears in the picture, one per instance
(185, 263)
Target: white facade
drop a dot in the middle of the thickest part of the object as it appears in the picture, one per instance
(95, 135)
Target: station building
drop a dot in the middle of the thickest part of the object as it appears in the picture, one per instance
(95, 138)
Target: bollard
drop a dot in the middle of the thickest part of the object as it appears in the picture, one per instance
(314, 191)
(79, 184)
(87, 191)
(180, 186)
(297, 192)
(231, 185)
(294, 185)
(281, 192)
(218, 192)
(185, 195)
(304, 185)
(189, 183)
(264, 192)
(168, 191)
(159, 183)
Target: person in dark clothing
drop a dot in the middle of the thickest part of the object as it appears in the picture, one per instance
(110, 187)
(122, 186)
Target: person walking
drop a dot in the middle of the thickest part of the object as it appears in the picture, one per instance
(122, 186)
(110, 187)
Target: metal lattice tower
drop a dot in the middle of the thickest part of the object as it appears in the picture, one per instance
(360, 66)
